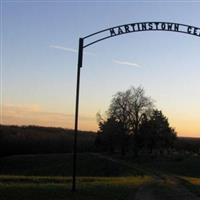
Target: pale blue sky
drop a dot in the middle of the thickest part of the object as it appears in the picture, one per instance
(39, 65)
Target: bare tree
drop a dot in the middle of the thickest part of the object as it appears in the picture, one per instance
(129, 108)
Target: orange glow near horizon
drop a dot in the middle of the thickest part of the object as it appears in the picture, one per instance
(187, 128)
(85, 126)
(31, 115)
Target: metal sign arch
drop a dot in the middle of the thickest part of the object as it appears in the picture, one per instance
(112, 32)
(142, 26)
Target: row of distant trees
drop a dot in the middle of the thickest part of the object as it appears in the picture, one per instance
(42, 140)
(133, 124)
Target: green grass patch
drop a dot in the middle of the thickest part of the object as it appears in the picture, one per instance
(87, 188)
(192, 180)
(135, 180)
(193, 184)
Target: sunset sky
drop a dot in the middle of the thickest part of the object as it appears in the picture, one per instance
(39, 41)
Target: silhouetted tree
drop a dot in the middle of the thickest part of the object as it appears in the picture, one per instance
(111, 135)
(156, 132)
(128, 108)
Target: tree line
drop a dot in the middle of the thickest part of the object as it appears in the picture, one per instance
(42, 140)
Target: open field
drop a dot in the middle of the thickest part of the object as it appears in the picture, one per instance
(98, 188)
(88, 188)
(61, 165)
(193, 184)
(48, 177)
(188, 165)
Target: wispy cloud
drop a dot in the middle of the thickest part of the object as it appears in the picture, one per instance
(63, 48)
(119, 62)
(34, 115)
(69, 49)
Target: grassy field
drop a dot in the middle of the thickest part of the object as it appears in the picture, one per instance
(22, 177)
(93, 188)
(88, 164)
(193, 184)
(177, 165)
(48, 177)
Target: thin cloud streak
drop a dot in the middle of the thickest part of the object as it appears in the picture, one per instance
(126, 63)
(69, 49)
(64, 48)
(34, 115)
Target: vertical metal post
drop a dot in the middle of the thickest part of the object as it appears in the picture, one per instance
(80, 60)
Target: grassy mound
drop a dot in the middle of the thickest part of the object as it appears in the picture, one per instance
(182, 166)
(61, 165)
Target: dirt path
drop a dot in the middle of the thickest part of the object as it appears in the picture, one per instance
(163, 187)
(121, 162)
(168, 189)
(145, 192)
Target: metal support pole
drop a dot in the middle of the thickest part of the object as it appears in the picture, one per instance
(80, 60)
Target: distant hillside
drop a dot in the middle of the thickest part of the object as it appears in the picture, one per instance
(188, 144)
(36, 139)
(191, 139)
(39, 140)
